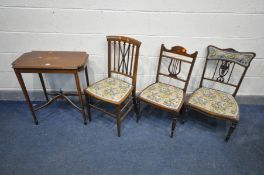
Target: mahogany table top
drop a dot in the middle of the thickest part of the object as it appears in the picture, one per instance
(51, 60)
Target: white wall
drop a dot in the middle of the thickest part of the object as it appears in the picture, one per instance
(27, 25)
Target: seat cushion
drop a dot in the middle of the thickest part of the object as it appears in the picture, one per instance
(110, 89)
(215, 102)
(164, 95)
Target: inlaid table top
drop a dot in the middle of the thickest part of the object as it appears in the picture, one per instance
(51, 60)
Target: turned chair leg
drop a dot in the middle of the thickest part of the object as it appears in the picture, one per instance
(231, 130)
(88, 101)
(174, 121)
(136, 109)
(118, 121)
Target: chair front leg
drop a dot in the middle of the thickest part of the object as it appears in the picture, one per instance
(88, 101)
(174, 121)
(231, 130)
(118, 120)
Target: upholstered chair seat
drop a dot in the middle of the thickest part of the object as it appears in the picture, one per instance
(215, 102)
(111, 90)
(165, 95)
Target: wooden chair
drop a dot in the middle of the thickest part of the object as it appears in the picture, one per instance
(178, 65)
(123, 55)
(214, 102)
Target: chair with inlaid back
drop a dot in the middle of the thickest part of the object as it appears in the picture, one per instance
(223, 67)
(123, 53)
(174, 64)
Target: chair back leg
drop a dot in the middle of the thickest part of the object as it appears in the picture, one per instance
(182, 115)
(138, 115)
(135, 103)
(88, 101)
(231, 130)
(174, 121)
(118, 120)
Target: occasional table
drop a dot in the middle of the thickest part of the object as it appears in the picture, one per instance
(59, 62)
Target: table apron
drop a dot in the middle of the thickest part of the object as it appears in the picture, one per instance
(57, 71)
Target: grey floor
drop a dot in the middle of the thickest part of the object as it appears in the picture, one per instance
(61, 144)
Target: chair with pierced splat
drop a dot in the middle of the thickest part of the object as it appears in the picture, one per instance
(174, 64)
(123, 53)
(220, 68)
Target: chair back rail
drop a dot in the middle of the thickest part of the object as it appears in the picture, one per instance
(226, 61)
(175, 66)
(123, 53)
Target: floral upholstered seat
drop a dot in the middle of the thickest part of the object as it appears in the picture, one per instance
(163, 95)
(110, 89)
(215, 102)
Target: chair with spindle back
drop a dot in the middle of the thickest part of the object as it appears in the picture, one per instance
(178, 65)
(221, 67)
(123, 53)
